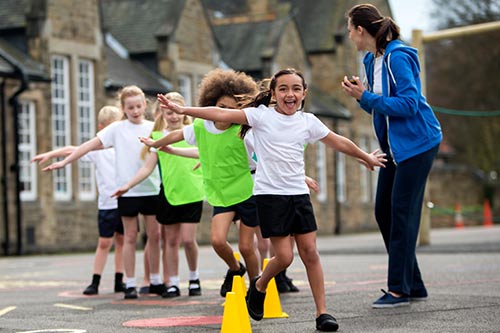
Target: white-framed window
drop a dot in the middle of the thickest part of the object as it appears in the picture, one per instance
(61, 123)
(86, 127)
(364, 174)
(185, 88)
(27, 150)
(341, 177)
(321, 171)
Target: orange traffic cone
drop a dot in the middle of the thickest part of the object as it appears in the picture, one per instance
(272, 304)
(459, 220)
(487, 217)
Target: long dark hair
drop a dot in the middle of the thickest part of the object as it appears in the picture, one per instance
(266, 94)
(382, 28)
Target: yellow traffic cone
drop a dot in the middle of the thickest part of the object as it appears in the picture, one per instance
(235, 319)
(239, 287)
(243, 284)
(272, 304)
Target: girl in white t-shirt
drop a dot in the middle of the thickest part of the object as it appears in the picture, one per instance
(283, 202)
(141, 199)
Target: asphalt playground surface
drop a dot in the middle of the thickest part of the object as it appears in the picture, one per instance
(461, 268)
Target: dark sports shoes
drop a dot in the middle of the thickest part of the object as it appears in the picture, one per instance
(255, 300)
(144, 290)
(91, 290)
(130, 293)
(326, 323)
(418, 295)
(194, 287)
(170, 292)
(389, 301)
(227, 285)
(120, 287)
(284, 284)
(157, 289)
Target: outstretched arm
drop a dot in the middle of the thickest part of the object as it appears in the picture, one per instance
(140, 175)
(346, 146)
(172, 137)
(61, 152)
(84, 148)
(211, 113)
(184, 152)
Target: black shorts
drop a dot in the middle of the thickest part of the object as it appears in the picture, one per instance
(109, 221)
(283, 215)
(133, 206)
(246, 211)
(170, 214)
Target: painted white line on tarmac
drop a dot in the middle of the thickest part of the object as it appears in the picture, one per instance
(74, 307)
(66, 330)
(7, 310)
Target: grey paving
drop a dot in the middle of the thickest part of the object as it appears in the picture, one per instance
(461, 268)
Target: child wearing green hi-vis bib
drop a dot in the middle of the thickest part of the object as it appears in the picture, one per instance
(180, 200)
(227, 178)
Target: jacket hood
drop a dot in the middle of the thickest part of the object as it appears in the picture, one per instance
(399, 46)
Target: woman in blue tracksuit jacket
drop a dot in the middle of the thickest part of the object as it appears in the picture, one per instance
(407, 131)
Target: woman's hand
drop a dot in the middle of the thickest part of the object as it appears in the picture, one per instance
(353, 87)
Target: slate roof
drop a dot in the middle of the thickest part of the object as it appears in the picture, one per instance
(255, 41)
(13, 13)
(11, 57)
(323, 104)
(123, 71)
(135, 23)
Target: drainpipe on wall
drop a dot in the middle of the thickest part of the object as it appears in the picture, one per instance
(14, 102)
(5, 205)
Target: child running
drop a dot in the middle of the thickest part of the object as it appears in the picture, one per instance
(180, 203)
(108, 220)
(280, 190)
(227, 178)
(141, 199)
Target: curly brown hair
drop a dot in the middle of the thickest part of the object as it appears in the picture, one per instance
(225, 82)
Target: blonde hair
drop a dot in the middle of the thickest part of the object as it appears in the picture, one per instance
(108, 114)
(160, 122)
(130, 91)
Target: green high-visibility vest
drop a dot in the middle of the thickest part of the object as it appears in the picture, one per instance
(224, 159)
(181, 184)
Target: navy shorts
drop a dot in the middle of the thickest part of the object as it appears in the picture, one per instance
(246, 211)
(109, 221)
(170, 214)
(133, 206)
(283, 215)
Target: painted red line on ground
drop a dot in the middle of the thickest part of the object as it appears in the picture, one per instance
(162, 302)
(175, 321)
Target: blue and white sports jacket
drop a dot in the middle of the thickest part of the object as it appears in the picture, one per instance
(404, 123)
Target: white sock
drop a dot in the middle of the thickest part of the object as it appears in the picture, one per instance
(194, 275)
(130, 282)
(155, 279)
(174, 281)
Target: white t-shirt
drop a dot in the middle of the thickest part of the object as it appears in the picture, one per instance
(279, 144)
(124, 137)
(190, 138)
(377, 76)
(104, 161)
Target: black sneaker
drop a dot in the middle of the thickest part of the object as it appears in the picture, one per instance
(281, 282)
(255, 300)
(170, 292)
(91, 290)
(326, 323)
(130, 293)
(157, 289)
(120, 287)
(291, 287)
(194, 287)
(227, 285)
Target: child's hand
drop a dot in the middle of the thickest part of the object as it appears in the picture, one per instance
(168, 104)
(41, 158)
(121, 191)
(377, 158)
(147, 141)
(312, 184)
(54, 166)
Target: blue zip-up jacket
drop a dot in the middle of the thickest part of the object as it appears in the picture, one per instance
(404, 123)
